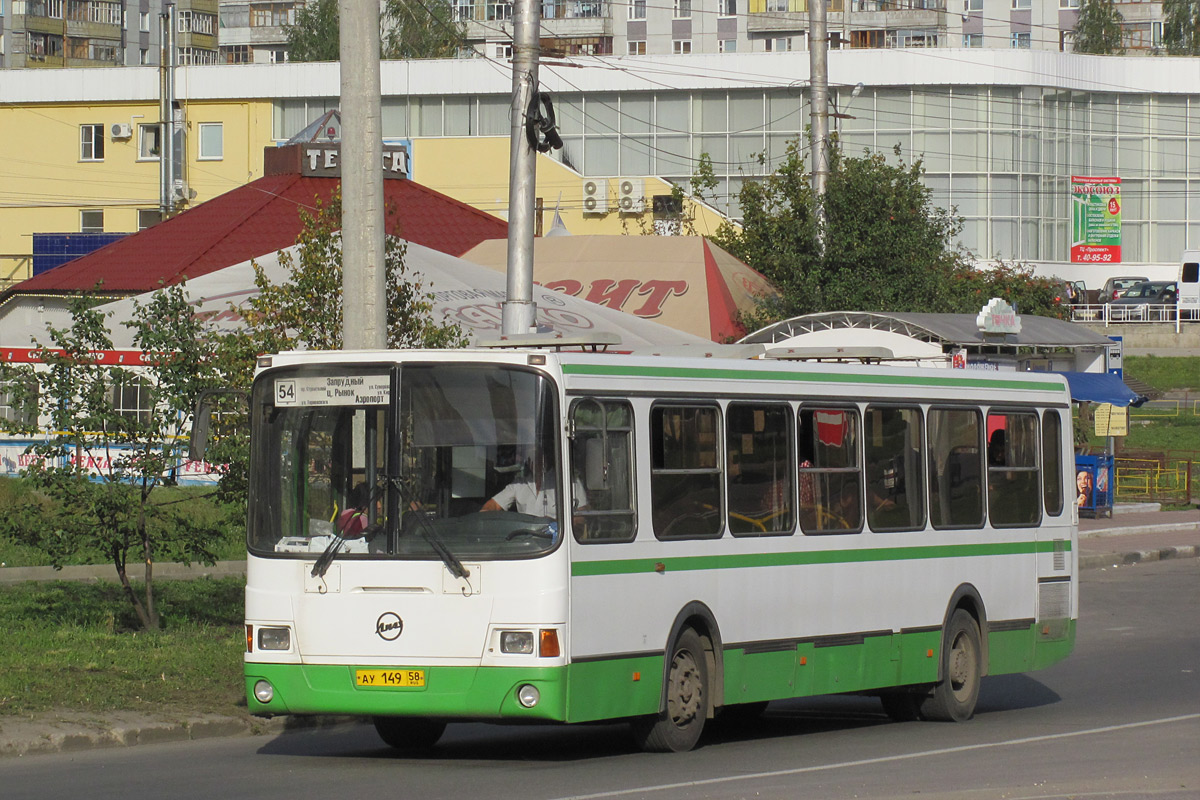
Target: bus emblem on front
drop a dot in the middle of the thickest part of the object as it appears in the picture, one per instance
(389, 626)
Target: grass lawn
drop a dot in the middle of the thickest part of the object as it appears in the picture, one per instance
(75, 645)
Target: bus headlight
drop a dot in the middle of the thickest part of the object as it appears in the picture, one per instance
(274, 639)
(528, 696)
(519, 642)
(264, 692)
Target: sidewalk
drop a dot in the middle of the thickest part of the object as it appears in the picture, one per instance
(1133, 534)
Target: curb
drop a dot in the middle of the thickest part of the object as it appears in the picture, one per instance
(71, 731)
(1106, 560)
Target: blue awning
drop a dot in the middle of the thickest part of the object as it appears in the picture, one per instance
(1100, 387)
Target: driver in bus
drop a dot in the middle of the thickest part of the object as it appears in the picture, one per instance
(536, 493)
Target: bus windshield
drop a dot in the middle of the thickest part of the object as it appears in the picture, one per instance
(461, 461)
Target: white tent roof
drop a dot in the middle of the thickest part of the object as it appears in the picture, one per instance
(463, 292)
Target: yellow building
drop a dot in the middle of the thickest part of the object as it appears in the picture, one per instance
(84, 147)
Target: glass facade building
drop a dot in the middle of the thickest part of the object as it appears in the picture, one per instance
(1002, 155)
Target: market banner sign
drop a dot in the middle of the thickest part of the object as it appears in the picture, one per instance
(1095, 220)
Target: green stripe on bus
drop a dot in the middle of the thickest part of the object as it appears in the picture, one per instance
(624, 566)
(803, 377)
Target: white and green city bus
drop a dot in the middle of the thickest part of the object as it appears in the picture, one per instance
(735, 531)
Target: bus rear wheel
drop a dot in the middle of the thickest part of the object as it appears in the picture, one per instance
(677, 729)
(954, 697)
(409, 733)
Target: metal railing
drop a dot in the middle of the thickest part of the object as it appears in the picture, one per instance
(1161, 480)
(1118, 313)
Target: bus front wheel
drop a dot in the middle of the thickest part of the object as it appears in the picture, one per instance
(677, 729)
(409, 733)
(953, 698)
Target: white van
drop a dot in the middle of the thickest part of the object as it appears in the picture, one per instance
(1189, 285)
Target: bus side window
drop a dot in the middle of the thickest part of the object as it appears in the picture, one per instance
(1013, 481)
(894, 464)
(759, 456)
(1052, 467)
(602, 463)
(685, 472)
(955, 468)
(830, 472)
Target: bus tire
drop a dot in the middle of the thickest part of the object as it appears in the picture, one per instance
(954, 697)
(678, 728)
(409, 733)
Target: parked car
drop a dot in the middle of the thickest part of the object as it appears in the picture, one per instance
(1113, 287)
(1139, 301)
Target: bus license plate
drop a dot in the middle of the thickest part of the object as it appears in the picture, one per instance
(389, 678)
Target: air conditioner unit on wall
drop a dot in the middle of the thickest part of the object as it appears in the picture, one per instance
(631, 196)
(121, 130)
(595, 195)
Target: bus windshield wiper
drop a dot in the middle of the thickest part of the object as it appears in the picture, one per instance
(431, 537)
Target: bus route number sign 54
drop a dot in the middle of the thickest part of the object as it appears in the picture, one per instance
(389, 678)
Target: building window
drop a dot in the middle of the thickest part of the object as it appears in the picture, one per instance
(144, 21)
(236, 54)
(1021, 40)
(1068, 3)
(277, 56)
(781, 44)
(972, 40)
(637, 9)
(212, 144)
(499, 10)
(635, 48)
(91, 142)
(727, 8)
(681, 47)
(148, 218)
(130, 398)
(683, 9)
(972, 5)
(149, 142)
(502, 51)
(91, 220)
(464, 10)
(777, 6)
(1022, 5)
(18, 404)
(727, 46)
(144, 56)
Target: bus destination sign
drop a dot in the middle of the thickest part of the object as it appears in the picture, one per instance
(333, 390)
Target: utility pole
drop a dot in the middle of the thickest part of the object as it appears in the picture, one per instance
(818, 60)
(519, 311)
(364, 292)
(166, 111)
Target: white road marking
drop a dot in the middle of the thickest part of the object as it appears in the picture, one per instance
(882, 760)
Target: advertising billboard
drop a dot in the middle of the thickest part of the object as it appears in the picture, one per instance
(1095, 220)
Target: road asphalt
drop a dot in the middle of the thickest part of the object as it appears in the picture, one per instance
(1132, 535)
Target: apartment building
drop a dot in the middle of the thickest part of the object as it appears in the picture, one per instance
(50, 34)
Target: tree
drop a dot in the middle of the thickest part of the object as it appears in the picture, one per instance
(888, 248)
(100, 458)
(1181, 27)
(407, 29)
(1098, 28)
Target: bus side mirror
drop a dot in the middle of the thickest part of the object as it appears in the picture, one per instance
(202, 420)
